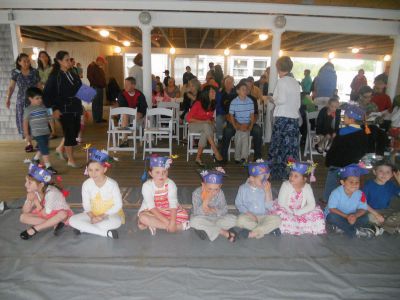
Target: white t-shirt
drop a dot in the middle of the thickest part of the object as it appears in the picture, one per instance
(287, 98)
(149, 189)
(137, 73)
(109, 191)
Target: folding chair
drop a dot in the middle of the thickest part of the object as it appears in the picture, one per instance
(155, 130)
(308, 149)
(116, 133)
(232, 150)
(175, 118)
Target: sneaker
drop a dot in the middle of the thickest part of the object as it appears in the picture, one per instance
(112, 234)
(52, 170)
(333, 229)
(124, 144)
(59, 229)
(186, 225)
(378, 230)
(363, 232)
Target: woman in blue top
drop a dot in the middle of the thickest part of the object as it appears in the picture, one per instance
(23, 76)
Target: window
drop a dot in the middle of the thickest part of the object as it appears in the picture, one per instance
(204, 60)
(259, 67)
(180, 67)
(240, 68)
(159, 63)
(245, 66)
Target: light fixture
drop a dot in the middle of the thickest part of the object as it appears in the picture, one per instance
(387, 57)
(34, 56)
(331, 55)
(35, 50)
(117, 49)
(226, 52)
(281, 53)
(280, 21)
(243, 46)
(145, 17)
(263, 36)
(355, 50)
(126, 43)
(104, 33)
(172, 50)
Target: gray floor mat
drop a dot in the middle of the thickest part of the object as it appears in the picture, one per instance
(170, 266)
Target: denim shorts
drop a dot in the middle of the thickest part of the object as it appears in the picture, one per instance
(43, 143)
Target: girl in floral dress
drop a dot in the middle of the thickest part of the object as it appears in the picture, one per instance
(296, 203)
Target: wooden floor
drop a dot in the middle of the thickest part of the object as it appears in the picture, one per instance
(126, 171)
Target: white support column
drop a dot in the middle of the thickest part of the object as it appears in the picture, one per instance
(16, 39)
(226, 67)
(146, 49)
(276, 47)
(394, 68)
(172, 70)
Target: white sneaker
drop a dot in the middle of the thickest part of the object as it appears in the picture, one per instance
(186, 225)
(379, 230)
(365, 233)
(1, 206)
(153, 230)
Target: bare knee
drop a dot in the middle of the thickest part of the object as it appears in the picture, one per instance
(22, 218)
(144, 218)
(62, 214)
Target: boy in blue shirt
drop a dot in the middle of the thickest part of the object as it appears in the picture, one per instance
(379, 192)
(254, 200)
(347, 206)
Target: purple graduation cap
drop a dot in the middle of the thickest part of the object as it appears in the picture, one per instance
(213, 176)
(304, 168)
(352, 170)
(354, 111)
(99, 156)
(260, 167)
(160, 161)
(86, 93)
(39, 173)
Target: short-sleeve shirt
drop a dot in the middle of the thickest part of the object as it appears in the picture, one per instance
(150, 190)
(347, 205)
(218, 203)
(242, 109)
(24, 82)
(38, 118)
(379, 196)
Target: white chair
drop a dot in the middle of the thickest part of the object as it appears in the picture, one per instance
(232, 150)
(191, 149)
(175, 118)
(155, 130)
(309, 149)
(116, 133)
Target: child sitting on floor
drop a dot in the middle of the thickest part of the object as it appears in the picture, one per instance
(254, 202)
(296, 203)
(347, 205)
(160, 208)
(328, 121)
(210, 216)
(349, 146)
(379, 192)
(45, 204)
(101, 199)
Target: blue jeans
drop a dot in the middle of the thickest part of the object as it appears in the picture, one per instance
(342, 223)
(331, 183)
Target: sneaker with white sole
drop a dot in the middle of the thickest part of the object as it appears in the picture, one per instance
(367, 233)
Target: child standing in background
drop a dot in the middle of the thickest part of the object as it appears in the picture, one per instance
(254, 202)
(210, 216)
(160, 207)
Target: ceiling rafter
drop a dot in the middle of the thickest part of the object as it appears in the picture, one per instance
(204, 37)
(39, 31)
(185, 37)
(166, 37)
(66, 33)
(224, 37)
(92, 35)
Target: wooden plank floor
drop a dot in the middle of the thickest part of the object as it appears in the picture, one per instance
(126, 171)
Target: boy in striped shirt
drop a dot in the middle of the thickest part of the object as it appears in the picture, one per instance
(241, 114)
(36, 118)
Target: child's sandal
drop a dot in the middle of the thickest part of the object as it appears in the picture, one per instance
(26, 236)
(59, 229)
(152, 230)
(232, 235)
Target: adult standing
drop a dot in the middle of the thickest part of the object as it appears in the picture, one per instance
(137, 72)
(59, 94)
(171, 90)
(187, 76)
(357, 83)
(306, 82)
(262, 84)
(285, 133)
(325, 84)
(97, 79)
(166, 78)
(44, 69)
(23, 76)
(218, 75)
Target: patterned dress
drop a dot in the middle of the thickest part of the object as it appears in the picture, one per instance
(23, 83)
(284, 144)
(312, 222)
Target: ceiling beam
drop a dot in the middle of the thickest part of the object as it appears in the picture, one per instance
(301, 38)
(185, 37)
(29, 35)
(92, 35)
(112, 36)
(242, 37)
(320, 41)
(127, 36)
(166, 37)
(41, 32)
(155, 43)
(66, 33)
(225, 36)
(350, 43)
(204, 37)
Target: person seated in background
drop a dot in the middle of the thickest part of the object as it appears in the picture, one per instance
(172, 90)
(112, 90)
(328, 121)
(253, 89)
(262, 84)
(306, 82)
(158, 94)
(189, 97)
(133, 98)
(382, 100)
(223, 101)
(358, 82)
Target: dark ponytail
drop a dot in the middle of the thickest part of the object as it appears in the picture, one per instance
(206, 103)
(59, 56)
(40, 64)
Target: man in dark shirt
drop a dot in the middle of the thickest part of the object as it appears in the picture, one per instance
(166, 78)
(97, 79)
(187, 76)
(133, 98)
